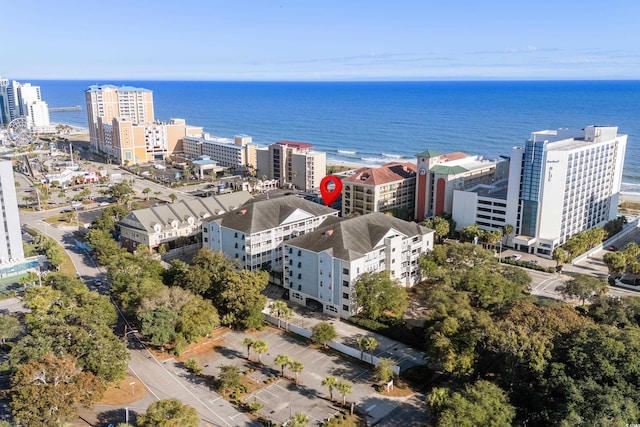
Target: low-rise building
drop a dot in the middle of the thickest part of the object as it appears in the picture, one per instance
(325, 264)
(389, 188)
(238, 152)
(253, 235)
(165, 223)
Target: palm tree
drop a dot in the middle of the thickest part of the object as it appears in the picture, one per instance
(249, 343)
(259, 347)
(146, 192)
(277, 308)
(296, 367)
(370, 345)
(173, 197)
(299, 420)
(330, 382)
(360, 341)
(508, 231)
(344, 388)
(286, 315)
(282, 360)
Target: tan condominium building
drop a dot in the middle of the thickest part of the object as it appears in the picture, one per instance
(293, 164)
(108, 102)
(237, 152)
(389, 188)
(128, 142)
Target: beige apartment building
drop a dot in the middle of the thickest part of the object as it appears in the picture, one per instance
(108, 102)
(292, 164)
(131, 143)
(389, 188)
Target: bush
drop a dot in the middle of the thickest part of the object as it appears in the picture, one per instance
(393, 328)
(193, 366)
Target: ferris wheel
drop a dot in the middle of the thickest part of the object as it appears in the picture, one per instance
(19, 132)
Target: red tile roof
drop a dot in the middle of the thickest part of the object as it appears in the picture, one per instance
(294, 144)
(389, 172)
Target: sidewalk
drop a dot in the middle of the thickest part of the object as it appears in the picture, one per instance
(404, 356)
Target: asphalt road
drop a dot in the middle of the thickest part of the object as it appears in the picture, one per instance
(161, 382)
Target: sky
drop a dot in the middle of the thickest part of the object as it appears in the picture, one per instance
(330, 40)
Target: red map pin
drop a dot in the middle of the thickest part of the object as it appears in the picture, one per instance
(330, 195)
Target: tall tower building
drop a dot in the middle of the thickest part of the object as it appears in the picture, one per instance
(5, 117)
(10, 238)
(106, 102)
(23, 100)
(563, 182)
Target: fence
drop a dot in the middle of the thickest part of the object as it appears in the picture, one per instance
(177, 252)
(628, 229)
(342, 348)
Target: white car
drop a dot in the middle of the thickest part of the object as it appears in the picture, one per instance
(104, 204)
(516, 257)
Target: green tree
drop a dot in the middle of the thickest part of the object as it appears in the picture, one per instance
(193, 366)
(146, 192)
(615, 261)
(120, 192)
(259, 347)
(583, 287)
(370, 345)
(507, 231)
(169, 413)
(330, 382)
(242, 299)
(299, 420)
(479, 404)
(173, 197)
(360, 342)
(159, 325)
(344, 388)
(277, 309)
(249, 343)
(440, 225)
(47, 392)
(229, 378)
(296, 367)
(10, 328)
(378, 294)
(282, 360)
(197, 318)
(322, 333)
(383, 371)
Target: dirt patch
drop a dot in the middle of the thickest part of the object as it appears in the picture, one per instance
(129, 390)
(202, 346)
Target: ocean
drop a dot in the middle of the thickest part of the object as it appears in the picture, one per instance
(376, 122)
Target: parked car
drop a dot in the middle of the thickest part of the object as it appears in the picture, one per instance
(516, 257)
(613, 248)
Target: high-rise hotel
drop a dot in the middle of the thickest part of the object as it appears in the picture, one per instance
(561, 182)
(122, 125)
(10, 241)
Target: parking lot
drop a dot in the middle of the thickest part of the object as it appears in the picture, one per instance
(282, 397)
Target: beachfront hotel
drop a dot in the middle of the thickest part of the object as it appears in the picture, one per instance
(440, 174)
(23, 100)
(561, 182)
(292, 164)
(238, 152)
(10, 238)
(122, 125)
(389, 188)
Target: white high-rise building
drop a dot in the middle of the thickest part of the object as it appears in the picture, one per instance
(10, 238)
(23, 100)
(561, 182)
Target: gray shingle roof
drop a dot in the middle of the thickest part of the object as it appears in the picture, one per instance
(198, 209)
(350, 239)
(259, 215)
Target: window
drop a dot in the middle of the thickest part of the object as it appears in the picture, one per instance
(299, 265)
(345, 307)
(205, 229)
(345, 283)
(345, 295)
(299, 253)
(236, 235)
(236, 245)
(345, 271)
(299, 275)
(206, 239)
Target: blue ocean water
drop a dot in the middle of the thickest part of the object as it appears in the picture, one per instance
(374, 122)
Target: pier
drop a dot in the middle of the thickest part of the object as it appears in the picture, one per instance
(59, 109)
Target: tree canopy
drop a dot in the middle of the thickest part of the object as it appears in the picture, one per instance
(169, 413)
(378, 295)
